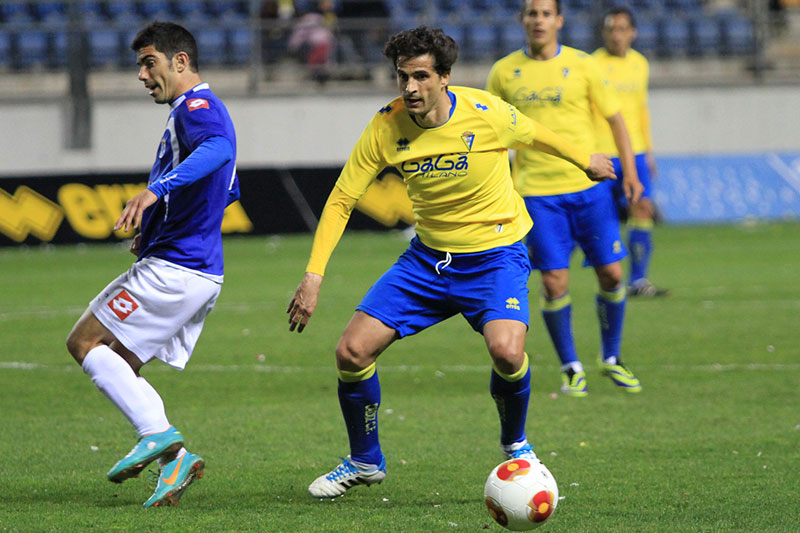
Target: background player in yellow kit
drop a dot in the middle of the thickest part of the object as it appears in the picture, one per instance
(559, 86)
(629, 72)
(450, 145)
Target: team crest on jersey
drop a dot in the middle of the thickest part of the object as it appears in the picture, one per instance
(162, 149)
(403, 145)
(122, 305)
(517, 73)
(565, 72)
(197, 103)
(468, 137)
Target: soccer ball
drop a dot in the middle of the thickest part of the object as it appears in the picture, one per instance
(521, 494)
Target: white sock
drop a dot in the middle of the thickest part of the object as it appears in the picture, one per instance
(115, 378)
(164, 460)
(576, 367)
(158, 417)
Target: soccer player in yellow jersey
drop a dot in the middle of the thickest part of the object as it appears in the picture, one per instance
(559, 86)
(450, 145)
(629, 72)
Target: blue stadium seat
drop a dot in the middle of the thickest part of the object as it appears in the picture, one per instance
(241, 42)
(15, 12)
(189, 8)
(211, 46)
(45, 11)
(481, 40)
(220, 7)
(154, 9)
(121, 9)
(738, 35)
(5, 50)
(579, 35)
(32, 49)
(674, 37)
(92, 11)
(646, 37)
(706, 36)
(58, 48)
(104, 47)
(512, 37)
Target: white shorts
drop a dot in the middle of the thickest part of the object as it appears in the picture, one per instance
(157, 309)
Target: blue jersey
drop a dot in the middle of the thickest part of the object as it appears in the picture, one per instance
(183, 226)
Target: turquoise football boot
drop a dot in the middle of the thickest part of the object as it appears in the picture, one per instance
(174, 478)
(148, 449)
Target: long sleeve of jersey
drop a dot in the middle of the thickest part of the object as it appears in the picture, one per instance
(208, 157)
(329, 230)
(551, 143)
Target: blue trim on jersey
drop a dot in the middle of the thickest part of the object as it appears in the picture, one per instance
(525, 51)
(426, 286)
(205, 159)
(452, 110)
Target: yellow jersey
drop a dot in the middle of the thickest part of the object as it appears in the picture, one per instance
(629, 75)
(560, 94)
(457, 174)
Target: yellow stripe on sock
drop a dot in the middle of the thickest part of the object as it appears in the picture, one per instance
(641, 223)
(555, 305)
(516, 376)
(616, 296)
(361, 375)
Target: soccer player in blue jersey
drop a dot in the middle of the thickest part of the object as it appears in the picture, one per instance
(156, 309)
(560, 86)
(629, 73)
(450, 144)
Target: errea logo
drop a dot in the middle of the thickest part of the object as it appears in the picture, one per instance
(122, 305)
(197, 103)
(403, 145)
(512, 303)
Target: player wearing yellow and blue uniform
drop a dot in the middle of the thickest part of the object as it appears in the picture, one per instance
(559, 86)
(450, 145)
(629, 72)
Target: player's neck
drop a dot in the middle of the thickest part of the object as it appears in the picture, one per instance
(544, 52)
(619, 53)
(187, 83)
(436, 116)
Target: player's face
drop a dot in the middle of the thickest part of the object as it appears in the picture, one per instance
(420, 85)
(157, 73)
(618, 34)
(541, 23)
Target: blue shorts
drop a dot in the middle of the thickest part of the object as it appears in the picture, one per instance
(426, 286)
(642, 169)
(587, 217)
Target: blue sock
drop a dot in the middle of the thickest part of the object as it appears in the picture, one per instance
(640, 245)
(557, 316)
(359, 398)
(511, 394)
(611, 314)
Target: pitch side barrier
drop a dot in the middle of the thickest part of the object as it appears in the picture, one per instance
(83, 208)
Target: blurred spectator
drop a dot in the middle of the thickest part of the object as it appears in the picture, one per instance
(276, 17)
(363, 29)
(312, 39)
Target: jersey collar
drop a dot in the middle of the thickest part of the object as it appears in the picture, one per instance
(452, 108)
(179, 100)
(525, 51)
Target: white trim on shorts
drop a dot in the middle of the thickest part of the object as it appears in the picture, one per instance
(157, 309)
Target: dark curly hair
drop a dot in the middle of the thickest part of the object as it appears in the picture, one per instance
(421, 41)
(169, 39)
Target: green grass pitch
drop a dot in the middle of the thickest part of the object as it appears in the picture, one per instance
(711, 444)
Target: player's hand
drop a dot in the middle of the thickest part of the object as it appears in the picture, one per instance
(131, 216)
(304, 301)
(633, 188)
(600, 168)
(137, 240)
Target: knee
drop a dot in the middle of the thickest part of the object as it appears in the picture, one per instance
(352, 356)
(610, 278)
(77, 346)
(554, 285)
(507, 355)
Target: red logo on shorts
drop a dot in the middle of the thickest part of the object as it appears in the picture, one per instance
(197, 103)
(123, 305)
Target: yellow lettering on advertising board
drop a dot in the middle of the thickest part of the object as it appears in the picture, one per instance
(28, 212)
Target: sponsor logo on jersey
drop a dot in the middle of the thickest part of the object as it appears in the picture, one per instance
(468, 137)
(403, 145)
(548, 95)
(443, 166)
(123, 305)
(197, 103)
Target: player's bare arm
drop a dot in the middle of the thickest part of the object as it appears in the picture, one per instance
(131, 216)
(304, 301)
(135, 244)
(630, 178)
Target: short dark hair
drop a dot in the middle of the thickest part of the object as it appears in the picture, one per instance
(525, 2)
(169, 39)
(421, 41)
(621, 10)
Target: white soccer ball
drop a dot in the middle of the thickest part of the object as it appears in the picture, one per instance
(520, 494)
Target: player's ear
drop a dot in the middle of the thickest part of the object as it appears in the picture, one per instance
(444, 80)
(181, 61)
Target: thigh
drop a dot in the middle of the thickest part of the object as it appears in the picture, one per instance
(410, 296)
(492, 286)
(597, 227)
(550, 241)
(363, 340)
